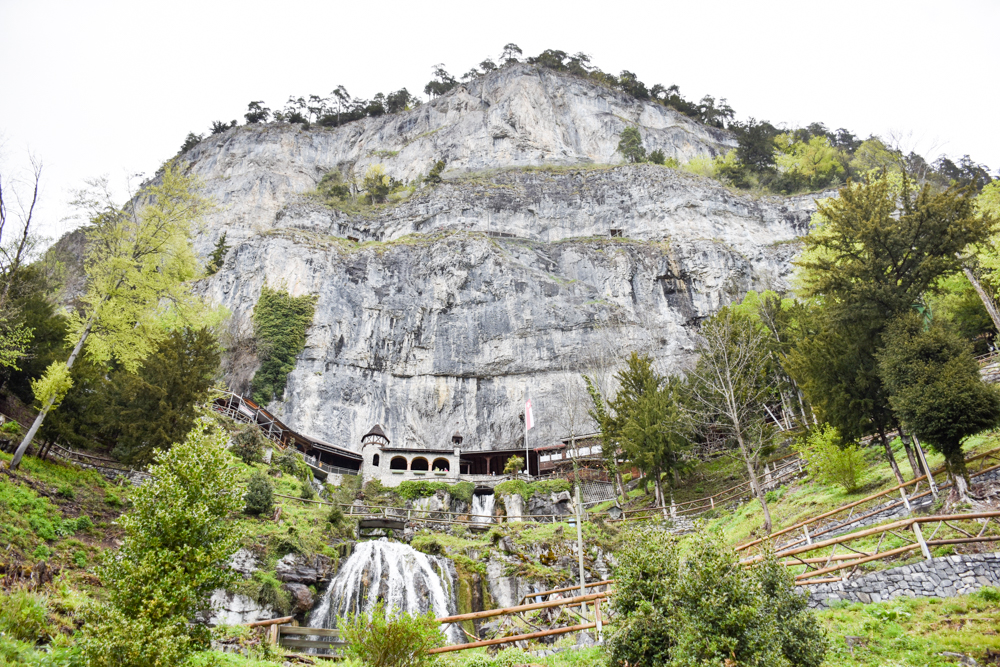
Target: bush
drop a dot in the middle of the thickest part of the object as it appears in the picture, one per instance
(80, 558)
(707, 610)
(333, 187)
(988, 594)
(10, 428)
(259, 497)
(24, 616)
(657, 157)
(82, 523)
(291, 462)
(414, 489)
(434, 175)
(112, 499)
(248, 445)
(336, 516)
(514, 465)
(307, 492)
(380, 640)
(832, 463)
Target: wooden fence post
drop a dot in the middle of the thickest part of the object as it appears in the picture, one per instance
(920, 538)
(600, 622)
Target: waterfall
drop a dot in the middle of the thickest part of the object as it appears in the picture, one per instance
(407, 580)
(482, 507)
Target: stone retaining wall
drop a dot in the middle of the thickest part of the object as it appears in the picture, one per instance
(940, 577)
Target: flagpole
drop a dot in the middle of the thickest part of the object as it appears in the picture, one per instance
(527, 459)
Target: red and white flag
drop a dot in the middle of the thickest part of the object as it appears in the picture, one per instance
(529, 419)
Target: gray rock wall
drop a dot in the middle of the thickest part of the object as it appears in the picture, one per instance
(430, 325)
(940, 577)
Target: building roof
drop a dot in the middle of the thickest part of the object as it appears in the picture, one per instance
(376, 431)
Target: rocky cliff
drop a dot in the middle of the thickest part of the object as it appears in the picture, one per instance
(532, 262)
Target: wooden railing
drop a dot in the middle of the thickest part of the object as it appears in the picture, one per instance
(597, 623)
(875, 509)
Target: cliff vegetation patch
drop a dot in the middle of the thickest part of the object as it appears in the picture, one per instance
(281, 321)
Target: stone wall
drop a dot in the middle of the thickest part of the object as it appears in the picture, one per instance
(940, 577)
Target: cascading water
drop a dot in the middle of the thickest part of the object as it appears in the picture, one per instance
(407, 580)
(482, 507)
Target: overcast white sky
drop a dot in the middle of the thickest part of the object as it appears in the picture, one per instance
(111, 87)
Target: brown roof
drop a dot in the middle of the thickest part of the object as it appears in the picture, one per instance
(376, 430)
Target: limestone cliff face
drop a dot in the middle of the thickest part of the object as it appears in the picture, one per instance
(518, 116)
(432, 324)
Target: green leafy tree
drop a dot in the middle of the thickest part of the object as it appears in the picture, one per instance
(630, 145)
(812, 164)
(218, 256)
(935, 387)
(382, 639)
(657, 157)
(178, 539)
(875, 251)
(139, 258)
(136, 414)
(514, 465)
(281, 322)
(706, 609)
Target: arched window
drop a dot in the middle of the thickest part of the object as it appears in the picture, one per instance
(397, 463)
(375, 460)
(419, 463)
(441, 465)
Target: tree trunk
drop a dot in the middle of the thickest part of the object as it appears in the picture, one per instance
(911, 455)
(890, 457)
(659, 492)
(984, 296)
(23, 447)
(958, 474)
(621, 485)
(755, 484)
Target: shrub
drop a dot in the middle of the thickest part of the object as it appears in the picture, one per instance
(832, 463)
(332, 186)
(381, 640)
(988, 594)
(434, 175)
(24, 616)
(82, 523)
(708, 609)
(112, 499)
(248, 445)
(510, 657)
(307, 492)
(268, 592)
(259, 497)
(514, 465)
(80, 558)
(10, 428)
(291, 462)
(657, 157)
(414, 489)
(336, 516)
